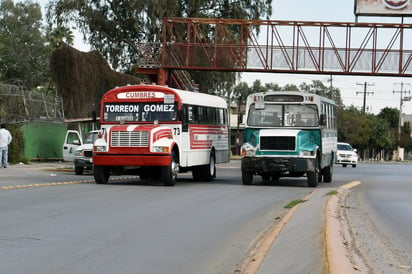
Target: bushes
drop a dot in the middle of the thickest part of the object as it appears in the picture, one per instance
(16, 148)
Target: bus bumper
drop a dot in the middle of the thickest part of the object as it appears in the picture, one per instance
(132, 160)
(258, 165)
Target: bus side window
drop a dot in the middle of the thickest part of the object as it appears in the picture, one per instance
(186, 115)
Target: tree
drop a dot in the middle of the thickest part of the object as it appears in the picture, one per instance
(61, 35)
(242, 90)
(381, 138)
(353, 127)
(290, 87)
(24, 53)
(114, 28)
(82, 78)
(272, 86)
(319, 88)
(391, 116)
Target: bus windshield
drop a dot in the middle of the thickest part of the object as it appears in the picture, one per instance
(283, 115)
(139, 112)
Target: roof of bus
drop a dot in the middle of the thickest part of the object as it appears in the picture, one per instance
(186, 97)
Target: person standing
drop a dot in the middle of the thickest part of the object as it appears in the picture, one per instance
(5, 140)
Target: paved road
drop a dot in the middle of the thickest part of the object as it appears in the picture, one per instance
(190, 228)
(379, 212)
(133, 226)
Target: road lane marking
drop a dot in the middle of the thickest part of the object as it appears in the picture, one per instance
(14, 187)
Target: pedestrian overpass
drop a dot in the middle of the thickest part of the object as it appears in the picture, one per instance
(339, 48)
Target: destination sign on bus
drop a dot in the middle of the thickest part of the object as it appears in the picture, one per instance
(140, 95)
(139, 111)
(283, 98)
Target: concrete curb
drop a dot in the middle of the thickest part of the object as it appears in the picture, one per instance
(339, 258)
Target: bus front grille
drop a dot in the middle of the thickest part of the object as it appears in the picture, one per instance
(277, 143)
(130, 139)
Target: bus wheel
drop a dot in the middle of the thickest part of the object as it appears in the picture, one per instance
(247, 178)
(313, 176)
(169, 173)
(101, 174)
(209, 171)
(327, 174)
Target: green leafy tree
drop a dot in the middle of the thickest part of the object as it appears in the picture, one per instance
(242, 90)
(61, 35)
(290, 87)
(272, 86)
(354, 127)
(114, 28)
(24, 54)
(319, 88)
(381, 136)
(391, 116)
(405, 135)
(257, 87)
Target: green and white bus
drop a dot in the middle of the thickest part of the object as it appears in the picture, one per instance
(289, 134)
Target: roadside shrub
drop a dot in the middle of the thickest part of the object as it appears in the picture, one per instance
(16, 148)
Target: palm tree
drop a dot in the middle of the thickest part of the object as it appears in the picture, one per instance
(61, 35)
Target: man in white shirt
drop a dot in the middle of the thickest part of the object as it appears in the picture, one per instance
(5, 140)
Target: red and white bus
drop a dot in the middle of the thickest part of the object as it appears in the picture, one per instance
(156, 132)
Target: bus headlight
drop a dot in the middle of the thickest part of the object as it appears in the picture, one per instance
(99, 148)
(248, 150)
(306, 153)
(160, 149)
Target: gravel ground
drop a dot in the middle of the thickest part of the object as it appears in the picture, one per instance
(366, 240)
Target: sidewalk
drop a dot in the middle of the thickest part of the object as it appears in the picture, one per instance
(52, 165)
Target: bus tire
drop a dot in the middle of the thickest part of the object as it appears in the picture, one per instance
(247, 177)
(209, 170)
(327, 174)
(101, 174)
(169, 173)
(313, 176)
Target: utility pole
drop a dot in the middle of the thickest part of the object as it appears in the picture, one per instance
(365, 85)
(331, 87)
(402, 99)
(401, 92)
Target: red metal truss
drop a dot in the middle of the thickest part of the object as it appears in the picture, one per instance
(286, 46)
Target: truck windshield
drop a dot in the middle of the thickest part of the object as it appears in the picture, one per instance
(139, 112)
(283, 115)
(91, 137)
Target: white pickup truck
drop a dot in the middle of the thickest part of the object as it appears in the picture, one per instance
(74, 149)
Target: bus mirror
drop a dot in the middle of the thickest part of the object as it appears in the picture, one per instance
(323, 119)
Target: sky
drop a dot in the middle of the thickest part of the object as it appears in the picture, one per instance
(351, 87)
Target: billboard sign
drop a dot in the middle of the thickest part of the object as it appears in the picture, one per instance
(383, 7)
